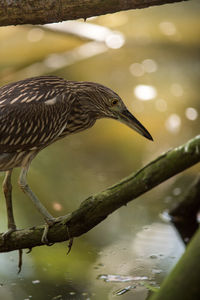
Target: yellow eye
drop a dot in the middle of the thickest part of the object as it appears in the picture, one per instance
(114, 101)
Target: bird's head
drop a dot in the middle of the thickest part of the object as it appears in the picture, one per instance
(105, 103)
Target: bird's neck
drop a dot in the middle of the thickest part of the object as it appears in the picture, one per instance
(80, 118)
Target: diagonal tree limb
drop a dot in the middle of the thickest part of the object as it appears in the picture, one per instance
(16, 12)
(96, 208)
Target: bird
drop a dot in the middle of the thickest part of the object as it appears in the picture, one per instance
(38, 111)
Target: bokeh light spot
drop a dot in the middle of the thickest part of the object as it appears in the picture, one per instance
(176, 90)
(145, 92)
(149, 65)
(35, 35)
(168, 28)
(115, 40)
(176, 191)
(173, 123)
(57, 206)
(161, 105)
(136, 69)
(191, 113)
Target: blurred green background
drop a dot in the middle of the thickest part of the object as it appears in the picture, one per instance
(151, 58)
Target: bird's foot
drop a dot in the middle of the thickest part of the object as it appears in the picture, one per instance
(7, 233)
(49, 223)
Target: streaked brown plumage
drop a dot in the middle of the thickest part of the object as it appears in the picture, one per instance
(36, 112)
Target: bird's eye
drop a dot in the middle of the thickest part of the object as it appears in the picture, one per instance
(114, 101)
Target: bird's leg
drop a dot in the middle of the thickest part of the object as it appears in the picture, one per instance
(49, 219)
(7, 189)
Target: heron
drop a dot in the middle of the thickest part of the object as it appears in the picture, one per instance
(38, 111)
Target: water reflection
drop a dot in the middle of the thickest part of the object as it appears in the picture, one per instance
(149, 255)
(161, 240)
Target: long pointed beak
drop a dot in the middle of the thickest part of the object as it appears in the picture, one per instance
(127, 118)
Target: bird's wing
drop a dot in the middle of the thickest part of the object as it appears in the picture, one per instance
(33, 113)
(32, 90)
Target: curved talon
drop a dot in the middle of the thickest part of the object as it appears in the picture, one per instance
(20, 260)
(44, 238)
(29, 251)
(71, 240)
(48, 224)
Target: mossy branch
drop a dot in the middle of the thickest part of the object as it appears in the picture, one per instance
(16, 12)
(96, 208)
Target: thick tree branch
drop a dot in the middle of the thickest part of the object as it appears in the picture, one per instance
(96, 208)
(15, 12)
